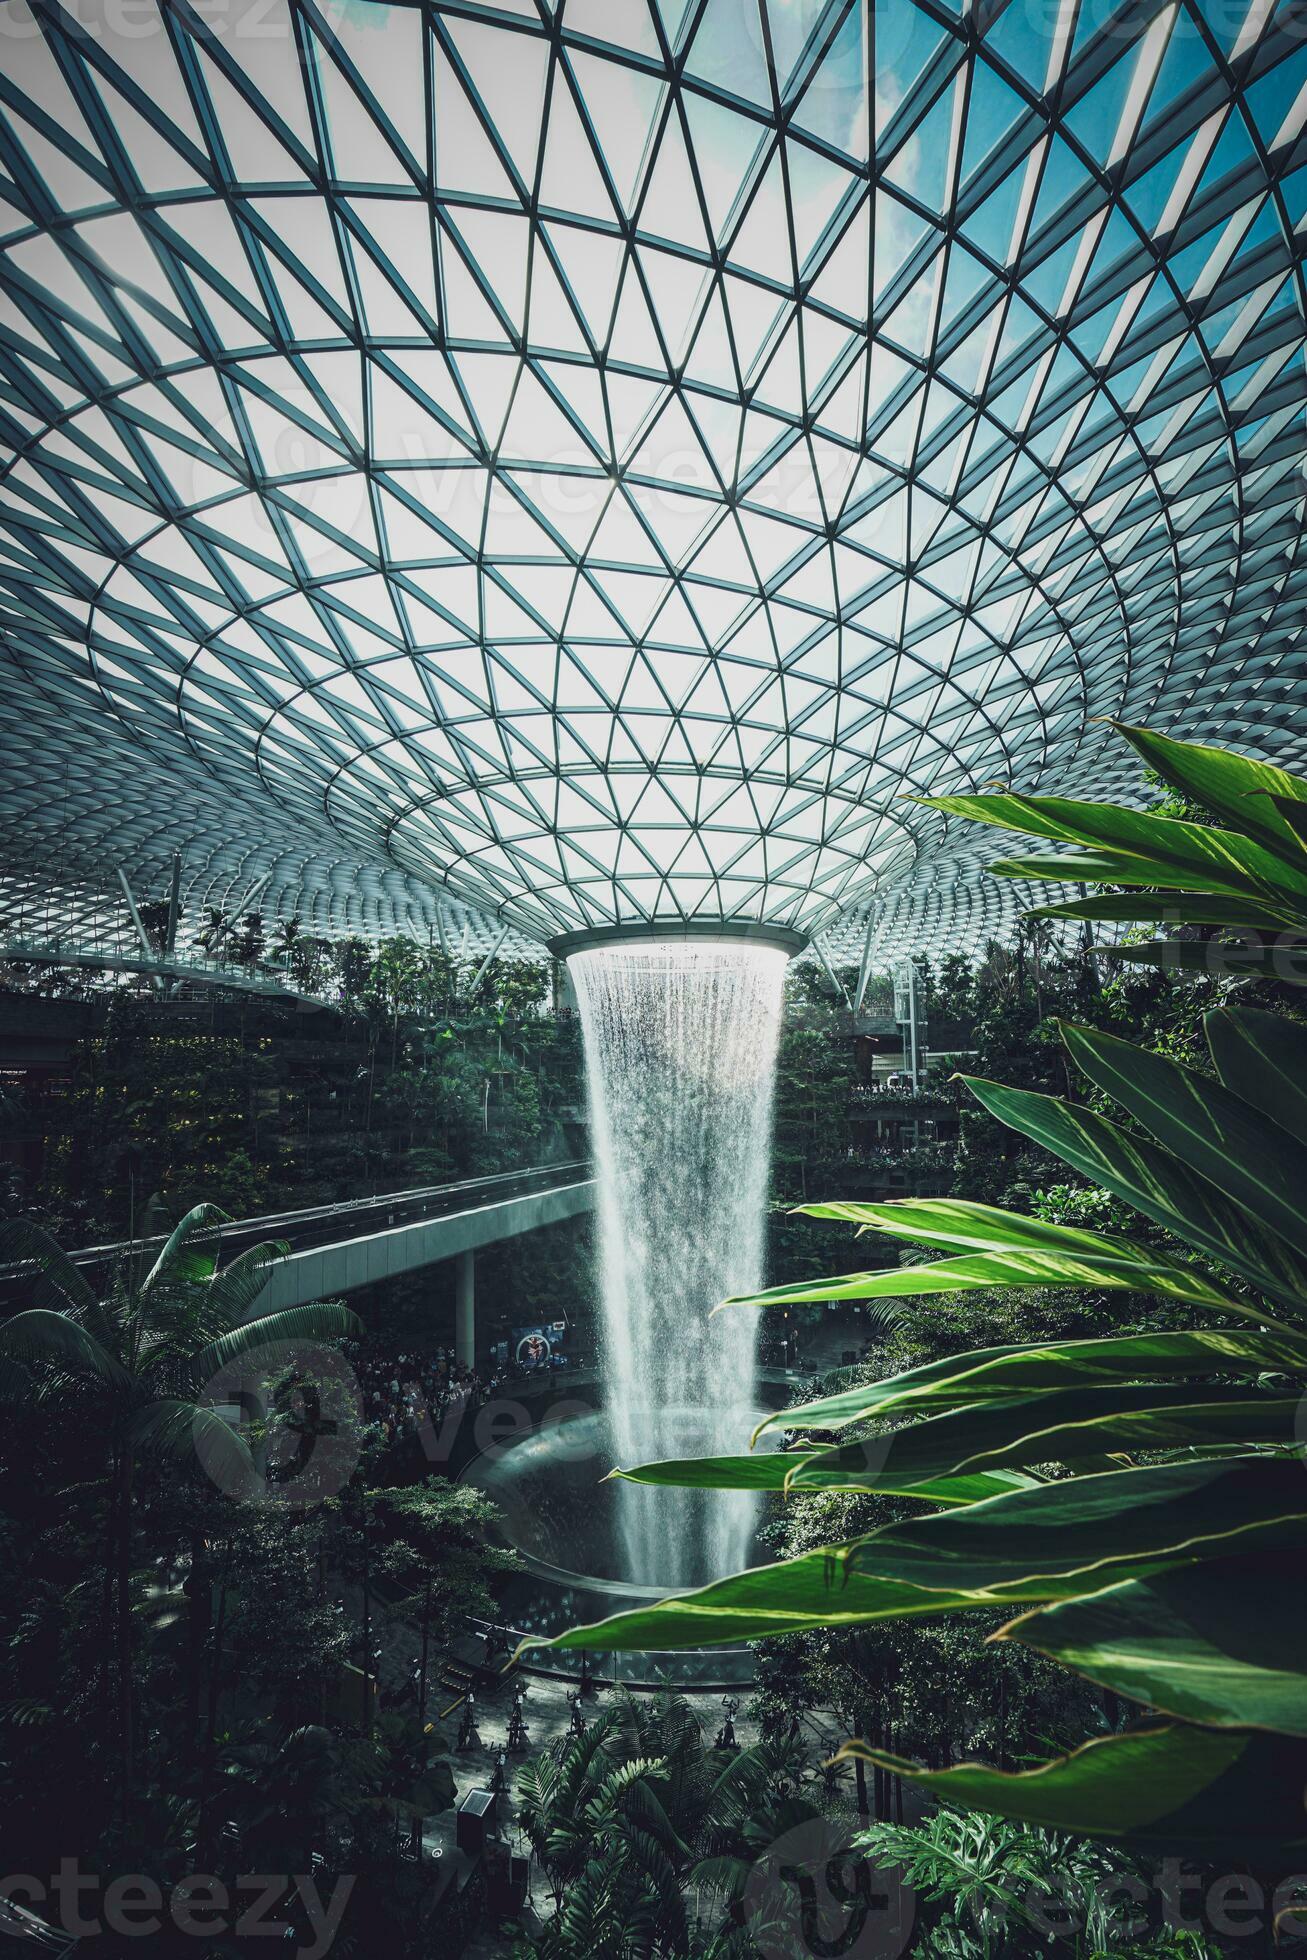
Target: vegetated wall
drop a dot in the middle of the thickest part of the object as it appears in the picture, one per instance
(258, 1106)
(115, 1095)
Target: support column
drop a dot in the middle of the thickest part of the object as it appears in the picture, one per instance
(174, 904)
(465, 1309)
(144, 937)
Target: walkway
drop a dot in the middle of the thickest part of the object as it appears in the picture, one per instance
(268, 983)
(336, 1249)
(451, 1222)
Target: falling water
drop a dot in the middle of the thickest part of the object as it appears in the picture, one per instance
(681, 1059)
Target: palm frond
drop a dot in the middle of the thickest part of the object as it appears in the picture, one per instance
(45, 1268)
(192, 1437)
(232, 1292)
(43, 1336)
(324, 1320)
(190, 1254)
(724, 1873)
(745, 1776)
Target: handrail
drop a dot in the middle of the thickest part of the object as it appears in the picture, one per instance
(274, 983)
(420, 1199)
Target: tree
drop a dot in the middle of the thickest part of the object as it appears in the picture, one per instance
(515, 987)
(435, 1550)
(352, 960)
(146, 1354)
(248, 939)
(216, 932)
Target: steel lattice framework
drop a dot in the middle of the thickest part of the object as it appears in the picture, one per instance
(591, 457)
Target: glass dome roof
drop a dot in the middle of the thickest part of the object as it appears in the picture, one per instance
(594, 457)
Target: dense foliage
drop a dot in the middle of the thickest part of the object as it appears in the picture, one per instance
(193, 1676)
(425, 1068)
(1139, 1494)
(193, 1616)
(648, 1836)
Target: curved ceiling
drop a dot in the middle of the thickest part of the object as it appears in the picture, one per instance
(592, 457)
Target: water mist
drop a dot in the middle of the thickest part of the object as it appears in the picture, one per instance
(681, 1043)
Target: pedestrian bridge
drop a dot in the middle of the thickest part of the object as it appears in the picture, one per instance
(339, 1249)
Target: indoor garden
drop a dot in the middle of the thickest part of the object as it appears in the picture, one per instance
(653, 979)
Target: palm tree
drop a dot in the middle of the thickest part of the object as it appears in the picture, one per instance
(294, 950)
(287, 938)
(216, 931)
(1001, 970)
(248, 940)
(147, 1352)
(1037, 938)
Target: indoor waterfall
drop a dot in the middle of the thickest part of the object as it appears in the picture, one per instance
(680, 1042)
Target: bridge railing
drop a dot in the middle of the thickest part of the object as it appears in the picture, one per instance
(350, 1218)
(268, 979)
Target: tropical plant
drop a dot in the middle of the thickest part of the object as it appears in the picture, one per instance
(436, 1553)
(216, 932)
(142, 1358)
(247, 940)
(296, 952)
(278, 1789)
(1137, 1500)
(1243, 873)
(629, 1818)
(984, 1888)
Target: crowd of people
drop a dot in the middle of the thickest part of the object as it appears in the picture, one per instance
(401, 1392)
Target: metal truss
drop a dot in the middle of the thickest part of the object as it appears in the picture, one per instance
(590, 460)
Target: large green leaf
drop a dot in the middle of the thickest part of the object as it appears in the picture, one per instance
(797, 1595)
(759, 1470)
(1280, 959)
(1181, 908)
(233, 1291)
(190, 1253)
(958, 1380)
(191, 1437)
(958, 1224)
(1162, 850)
(1102, 867)
(48, 1274)
(1263, 1057)
(1033, 1252)
(1220, 1643)
(1291, 810)
(1058, 1530)
(1238, 789)
(1205, 1791)
(936, 1458)
(771, 1470)
(1234, 1145)
(1060, 1427)
(1140, 1272)
(1156, 1183)
(1046, 1541)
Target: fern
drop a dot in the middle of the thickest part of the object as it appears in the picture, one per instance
(629, 1817)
